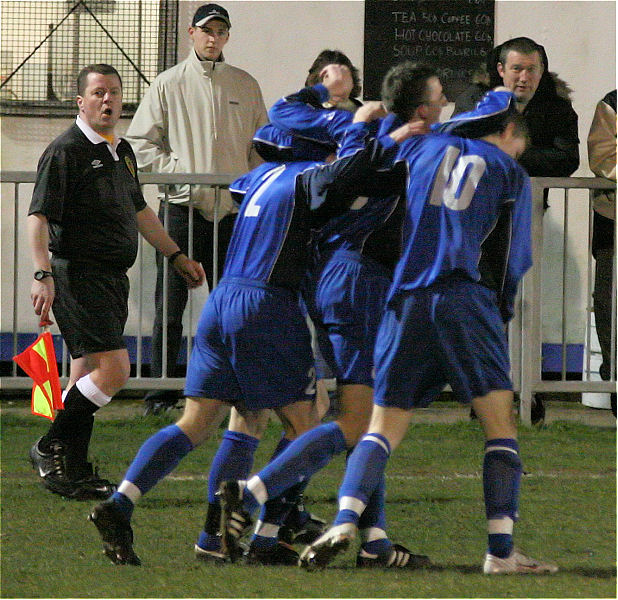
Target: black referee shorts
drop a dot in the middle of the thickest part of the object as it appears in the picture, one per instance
(90, 306)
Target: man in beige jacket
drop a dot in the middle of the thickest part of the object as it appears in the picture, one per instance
(602, 159)
(197, 117)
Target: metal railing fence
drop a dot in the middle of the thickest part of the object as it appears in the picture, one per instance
(19, 305)
(525, 332)
(530, 376)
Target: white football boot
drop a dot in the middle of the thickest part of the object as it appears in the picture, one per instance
(516, 562)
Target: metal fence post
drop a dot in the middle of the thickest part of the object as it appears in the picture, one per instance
(531, 309)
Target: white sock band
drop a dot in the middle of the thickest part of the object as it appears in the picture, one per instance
(268, 530)
(256, 486)
(130, 490)
(502, 525)
(351, 503)
(372, 534)
(376, 440)
(502, 448)
(88, 388)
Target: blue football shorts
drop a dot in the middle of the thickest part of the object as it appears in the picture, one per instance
(252, 348)
(450, 332)
(345, 298)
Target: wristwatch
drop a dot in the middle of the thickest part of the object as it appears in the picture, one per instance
(38, 275)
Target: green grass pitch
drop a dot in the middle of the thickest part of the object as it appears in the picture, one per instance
(434, 506)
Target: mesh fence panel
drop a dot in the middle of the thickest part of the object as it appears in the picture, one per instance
(45, 43)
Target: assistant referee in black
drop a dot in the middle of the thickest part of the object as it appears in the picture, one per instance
(87, 209)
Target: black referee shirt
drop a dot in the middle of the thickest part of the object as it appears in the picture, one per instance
(90, 200)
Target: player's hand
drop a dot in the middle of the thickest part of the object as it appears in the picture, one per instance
(369, 112)
(42, 294)
(337, 79)
(408, 130)
(190, 270)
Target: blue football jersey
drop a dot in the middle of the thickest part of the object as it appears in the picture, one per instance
(468, 210)
(468, 214)
(301, 114)
(371, 228)
(273, 145)
(271, 232)
(280, 203)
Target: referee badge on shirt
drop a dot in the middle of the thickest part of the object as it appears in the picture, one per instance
(130, 165)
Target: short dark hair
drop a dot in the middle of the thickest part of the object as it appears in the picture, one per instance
(521, 126)
(404, 88)
(523, 45)
(333, 57)
(101, 69)
(496, 124)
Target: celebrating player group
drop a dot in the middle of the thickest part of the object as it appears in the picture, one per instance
(401, 238)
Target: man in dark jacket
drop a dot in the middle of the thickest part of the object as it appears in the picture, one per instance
(521, 65)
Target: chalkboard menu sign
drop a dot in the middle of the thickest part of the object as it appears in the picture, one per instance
(454, 36)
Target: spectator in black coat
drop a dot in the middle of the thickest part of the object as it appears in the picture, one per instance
(521, 65)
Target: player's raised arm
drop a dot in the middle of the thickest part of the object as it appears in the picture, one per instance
(333, 187)
(304, 113)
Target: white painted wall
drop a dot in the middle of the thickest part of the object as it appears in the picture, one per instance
(277, 41)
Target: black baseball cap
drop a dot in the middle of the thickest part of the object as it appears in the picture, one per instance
(207, 12)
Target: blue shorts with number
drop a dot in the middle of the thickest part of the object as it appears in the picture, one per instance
(345, 298)
(450, 332)
(252, 348)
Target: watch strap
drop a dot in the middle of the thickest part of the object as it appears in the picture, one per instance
(42, 274)
(173, 257)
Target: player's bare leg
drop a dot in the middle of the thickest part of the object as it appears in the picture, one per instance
(355, 407)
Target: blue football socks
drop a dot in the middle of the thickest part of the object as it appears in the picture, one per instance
(379, 546)
(288, 474)
(157, 457)
(502, 470)
(372, 522)
(233, 460)
(363, 474)
(302, 458)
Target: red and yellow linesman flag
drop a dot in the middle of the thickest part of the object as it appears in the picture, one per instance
(39, 362)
